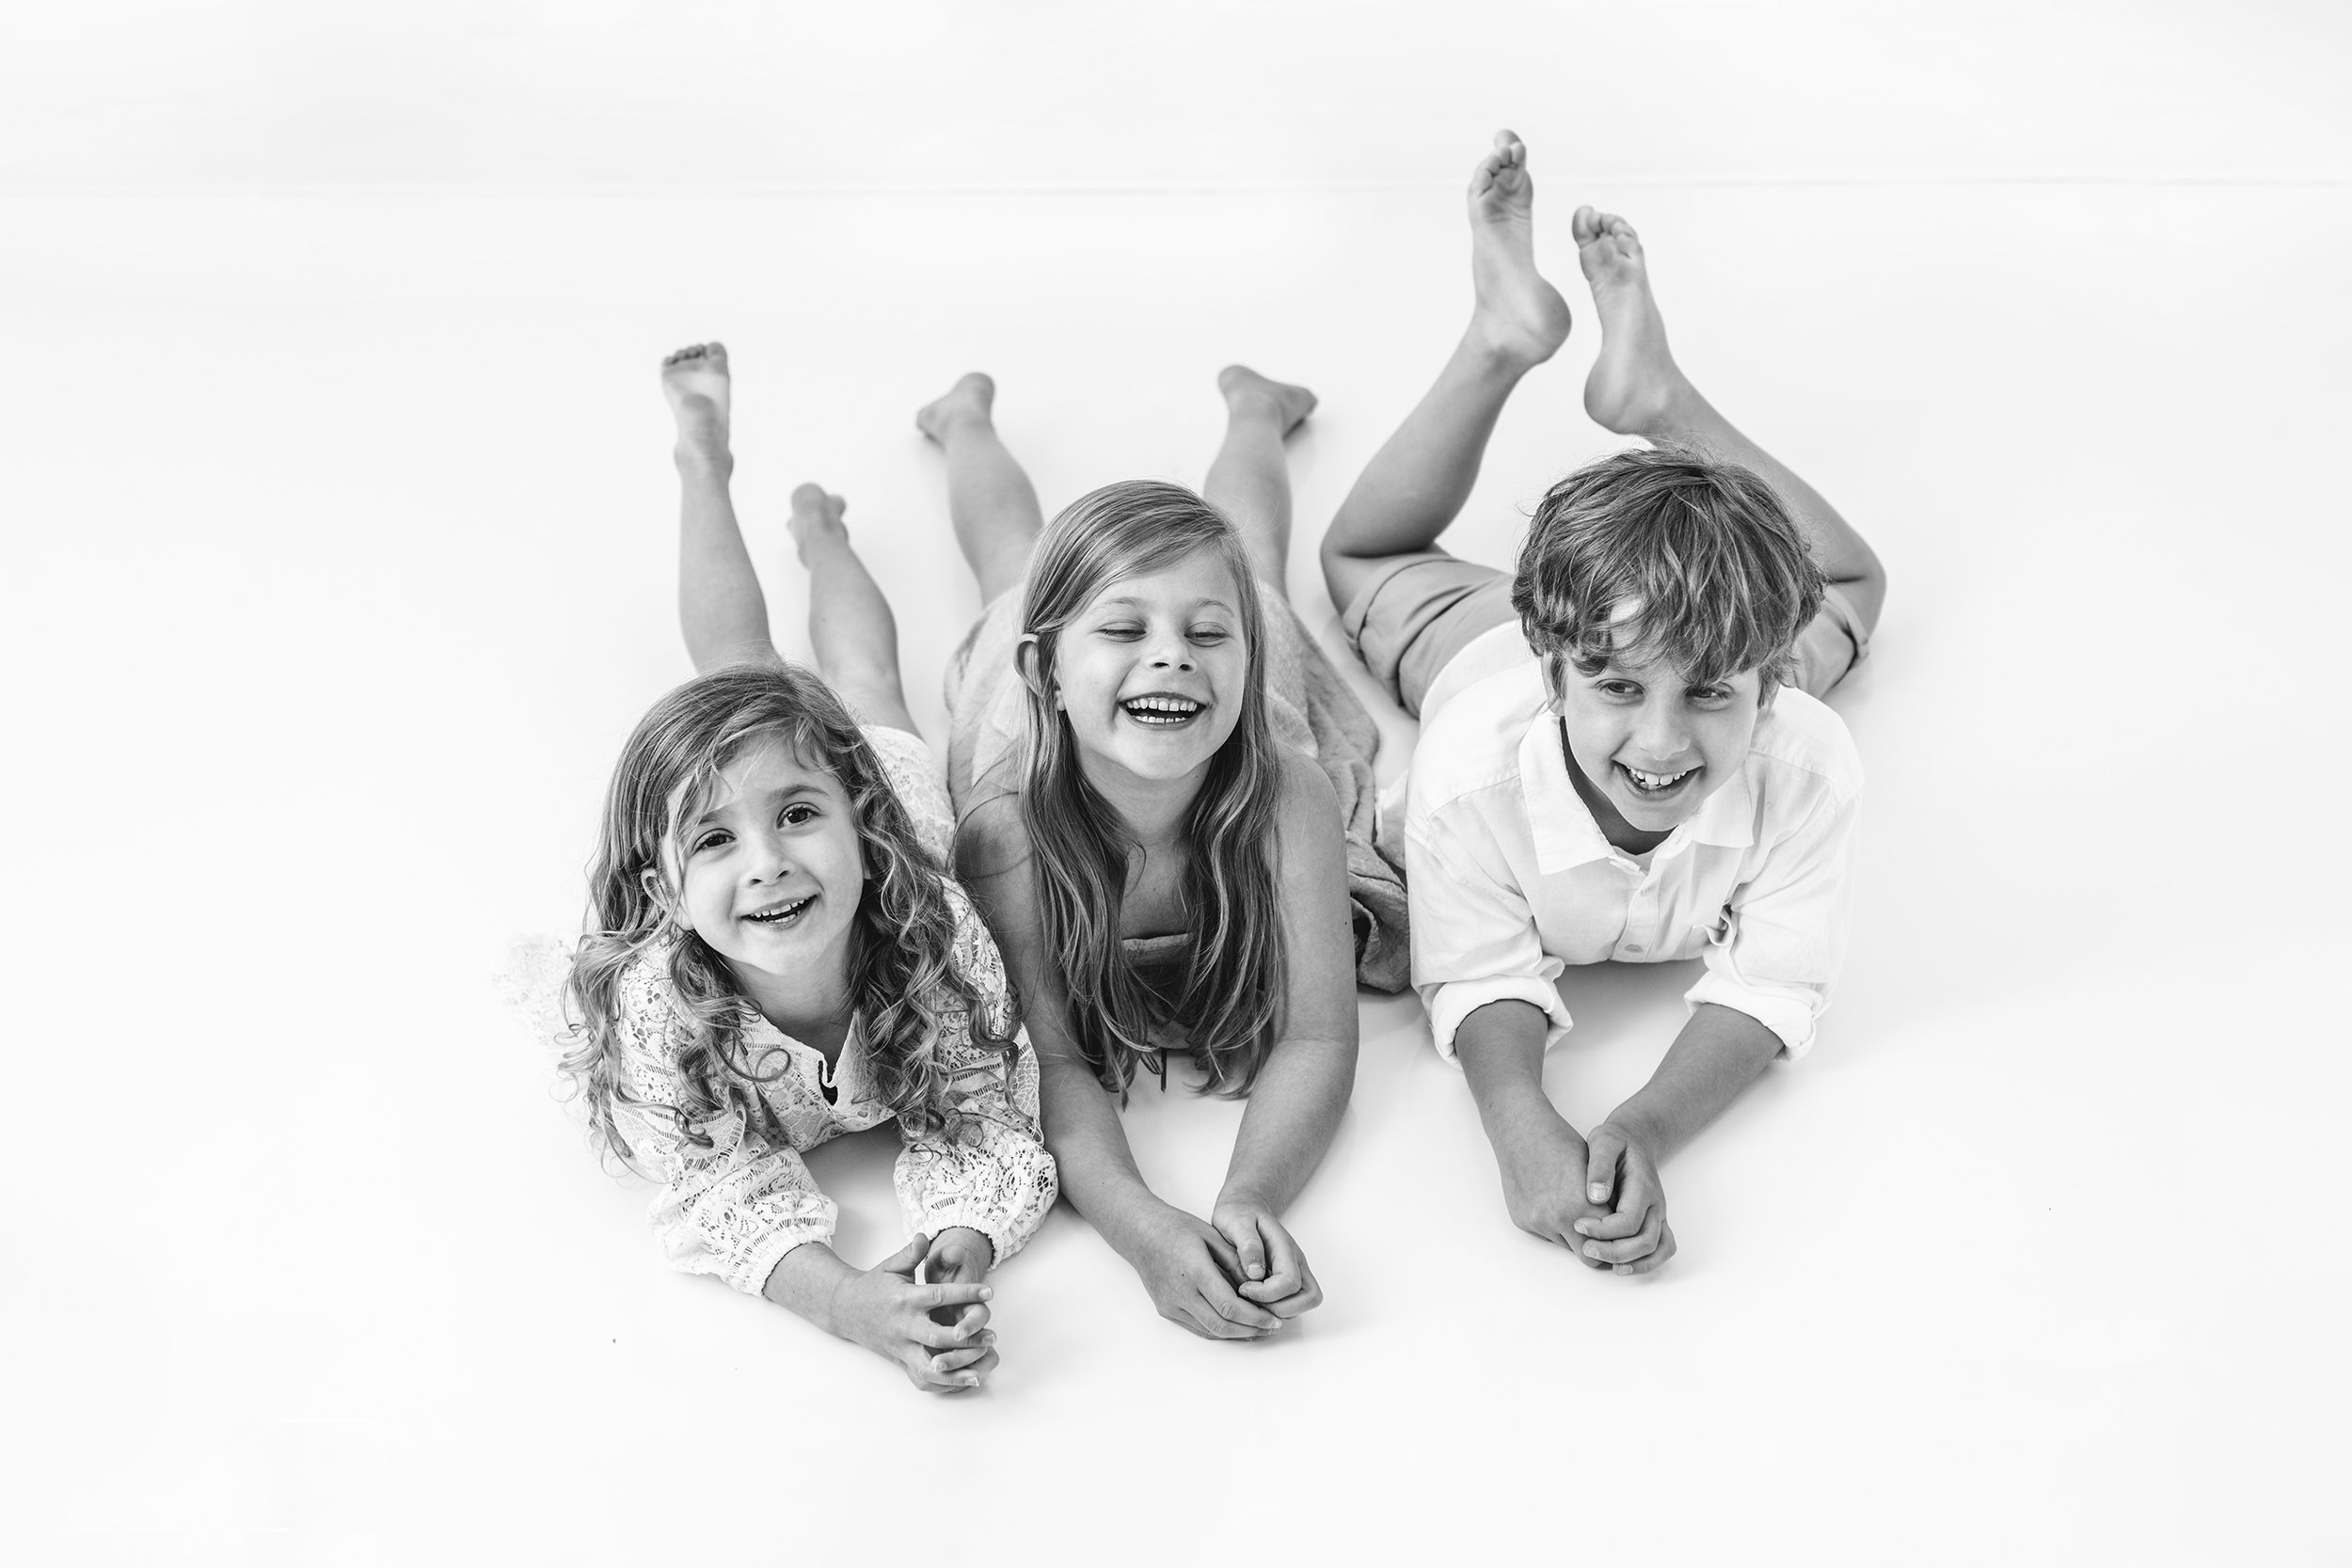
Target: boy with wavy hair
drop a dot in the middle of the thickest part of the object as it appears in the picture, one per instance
(1642, 787)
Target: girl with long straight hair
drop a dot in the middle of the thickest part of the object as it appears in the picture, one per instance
(1165, 806)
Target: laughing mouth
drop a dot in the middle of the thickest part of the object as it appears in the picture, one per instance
(778, 914)
(1656, 783)
(1161, 709)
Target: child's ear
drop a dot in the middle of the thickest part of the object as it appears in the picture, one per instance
(657, 891)
(1029, 658)
(1555, 667)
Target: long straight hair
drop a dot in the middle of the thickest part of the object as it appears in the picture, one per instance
(1229, 1003)
(904, 982)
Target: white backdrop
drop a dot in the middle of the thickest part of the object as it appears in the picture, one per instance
(339, 558)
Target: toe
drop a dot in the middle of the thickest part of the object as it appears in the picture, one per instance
(1585, 226)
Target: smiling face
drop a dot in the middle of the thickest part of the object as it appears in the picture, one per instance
(1152, 672)
(769, 869)
(1650, 746)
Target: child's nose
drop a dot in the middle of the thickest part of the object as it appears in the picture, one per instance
(768, 861)
(1660, 732)
(1169, 651)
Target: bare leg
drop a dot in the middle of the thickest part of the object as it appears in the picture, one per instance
(1636, 389)
(850, 628)
(990, 501)
(720, 607)
(1415, 483)
(1250, 481)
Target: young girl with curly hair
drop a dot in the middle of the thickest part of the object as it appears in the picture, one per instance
(775, 957)
(1166, 807)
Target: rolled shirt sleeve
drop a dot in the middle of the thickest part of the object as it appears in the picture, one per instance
(1785, 935)
(1475, 937)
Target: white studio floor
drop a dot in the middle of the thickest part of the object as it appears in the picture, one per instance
(338, 561)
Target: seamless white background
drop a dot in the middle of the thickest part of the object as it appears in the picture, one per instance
(338, 545)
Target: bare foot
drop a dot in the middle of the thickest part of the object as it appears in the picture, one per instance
(815, 515)
(1246, 391)
(973, 397)
(694, 379)
(1636, 387)
(1518, 314)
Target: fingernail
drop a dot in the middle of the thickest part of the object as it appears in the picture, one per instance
(1593, 1251)
(1585, 1227)
(1596, 1191)
(987, 1294)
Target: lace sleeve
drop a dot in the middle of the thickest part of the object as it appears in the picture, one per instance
(992, 1174)
(733, 1208)
(914, 772)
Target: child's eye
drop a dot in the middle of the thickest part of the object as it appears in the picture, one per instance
(1209, 634)
(709, 840)
(1124, 631)
(1711, 694)
(1621, 689)
(799, 813)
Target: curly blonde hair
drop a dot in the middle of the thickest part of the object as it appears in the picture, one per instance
(905, 985)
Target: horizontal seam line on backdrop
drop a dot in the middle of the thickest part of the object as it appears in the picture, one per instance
(256, 188)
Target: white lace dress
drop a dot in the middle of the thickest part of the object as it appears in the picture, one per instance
(736, 1206)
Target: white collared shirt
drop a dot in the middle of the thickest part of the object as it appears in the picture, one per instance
(1511, 880)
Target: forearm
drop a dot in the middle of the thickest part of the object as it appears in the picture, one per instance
(1295, 1111)
(1099, 1175)
(720, 607)
(1500, 1048)
(808, 1282)
(1719, 1053)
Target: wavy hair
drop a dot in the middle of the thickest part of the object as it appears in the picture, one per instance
(1230, 997)
(1717, 574)
(904, 984)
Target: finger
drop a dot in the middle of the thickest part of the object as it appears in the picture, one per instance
(931, 1381)
(1305, 1299)
(1204, 1319)
(1616, 1225)
(1656, 1259)
(1639, 1244)
(906, 1258)
(953, 1292)
(1229, 1306)
(1601, 1155)
(1219, 1249)
(1248, 1247)
(1285, 1265)
(931, 1335)
(966, 1321)
(977, 1373)
(956, 1360)
(1194, 1317)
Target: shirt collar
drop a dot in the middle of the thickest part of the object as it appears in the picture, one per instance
(1561, 826)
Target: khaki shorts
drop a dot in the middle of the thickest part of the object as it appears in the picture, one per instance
(1407, 624)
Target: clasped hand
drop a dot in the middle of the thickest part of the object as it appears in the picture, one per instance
(1235, 1275)
(1602, 1199)
(935, 1328)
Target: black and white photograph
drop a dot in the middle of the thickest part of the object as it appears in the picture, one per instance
(1023, 782)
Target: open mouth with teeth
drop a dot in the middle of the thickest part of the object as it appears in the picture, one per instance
(783, 913)
(1161, 710)
(1655, 785)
